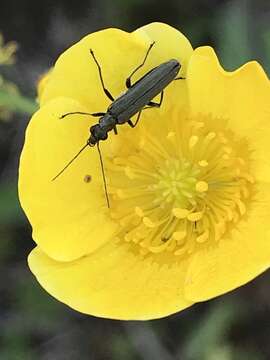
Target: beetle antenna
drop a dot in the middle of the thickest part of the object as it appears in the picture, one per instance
(70, 162)
(103, 175)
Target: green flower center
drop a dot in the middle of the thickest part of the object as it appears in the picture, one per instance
(175, 181)
(182, 188)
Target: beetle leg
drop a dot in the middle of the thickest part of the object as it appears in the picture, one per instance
(151, 104)
(115, 130)
(98, 114)
(179, 78)
(130, 123)
(154, 104)
(106, 91)
(128, 81)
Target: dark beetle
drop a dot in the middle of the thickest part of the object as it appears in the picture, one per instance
(137, 97)
(134, 100)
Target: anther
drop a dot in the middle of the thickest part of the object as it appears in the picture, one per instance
(241, 206)
(203, 163)
(148, 223)
(202, 186)
(180, 213)
(193, 141)
(170, 135)
(210, 136)
(139, 211)
(179, 235)
(203, 237)
(195, 216)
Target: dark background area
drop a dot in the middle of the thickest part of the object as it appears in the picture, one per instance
(32, 324)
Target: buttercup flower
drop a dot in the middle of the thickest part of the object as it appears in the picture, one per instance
(188, 187)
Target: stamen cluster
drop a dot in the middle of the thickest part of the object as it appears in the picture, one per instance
(180, 190)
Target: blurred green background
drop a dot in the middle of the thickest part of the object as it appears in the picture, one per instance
(32, 324)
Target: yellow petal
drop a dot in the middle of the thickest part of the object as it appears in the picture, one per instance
(114, 282)
(67, 215)
(169, 44)
(235, 259)
(42, 83)
(260, 149)
(75, 74)
(241, 96)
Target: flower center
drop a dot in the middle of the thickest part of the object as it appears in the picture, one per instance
(180, 186)
(176, 181)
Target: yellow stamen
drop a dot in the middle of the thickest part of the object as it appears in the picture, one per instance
(210, 136)
(203, 237)
(179, 235)
(180, 213)
(241, 206)
(171, 134)
(139, 211)
(193, 141)
(160, 211)
(203, 163)
(147, 222)
(201, 186)
(195, 216)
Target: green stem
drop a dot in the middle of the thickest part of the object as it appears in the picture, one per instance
(17, 103)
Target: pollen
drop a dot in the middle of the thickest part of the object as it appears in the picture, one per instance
(178, 189)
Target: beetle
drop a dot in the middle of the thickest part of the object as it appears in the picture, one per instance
(134, 100)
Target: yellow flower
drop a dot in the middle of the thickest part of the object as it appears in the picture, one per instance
(42, 82)
(188, 187)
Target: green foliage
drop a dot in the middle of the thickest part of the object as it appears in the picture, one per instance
(16, 102)
(10, 210)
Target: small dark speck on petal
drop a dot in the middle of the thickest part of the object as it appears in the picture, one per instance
(87, 178)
